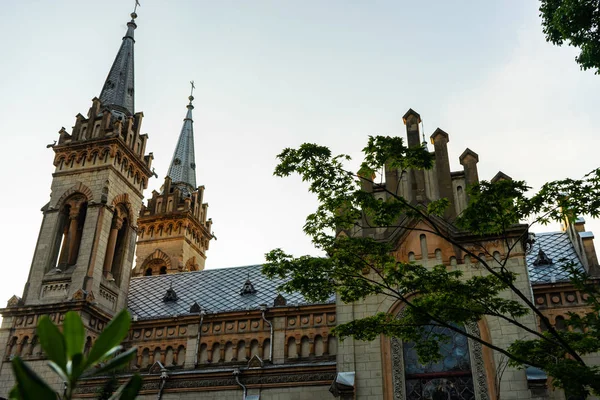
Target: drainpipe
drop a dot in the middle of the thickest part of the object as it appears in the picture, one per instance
(202, 314)
(263, 308)
(163, 379)
(236, 375)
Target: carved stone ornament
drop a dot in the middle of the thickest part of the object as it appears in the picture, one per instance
(255, 362)
(14, 301)
(79, 295)
(90, 297)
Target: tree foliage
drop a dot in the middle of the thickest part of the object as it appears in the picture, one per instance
(65, 352)
(578, 23)
(358, 266)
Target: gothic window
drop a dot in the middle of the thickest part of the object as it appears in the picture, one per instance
(459, 375)
(69, 232)
(424, 251)
(156, 266)
(449, 378)
(118, 240)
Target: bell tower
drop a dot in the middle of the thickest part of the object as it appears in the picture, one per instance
(174, 232)
(86, 242)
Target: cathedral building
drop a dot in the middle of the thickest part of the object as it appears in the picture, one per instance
(228, 333)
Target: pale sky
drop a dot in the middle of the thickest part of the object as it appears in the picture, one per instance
(275, 74)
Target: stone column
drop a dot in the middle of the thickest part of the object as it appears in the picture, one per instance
(110, 248)
(74, 235)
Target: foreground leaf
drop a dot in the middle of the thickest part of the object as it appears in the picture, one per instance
(29, 384)
(111, 336)
(129, 390)
(74, 334)
(53, 342)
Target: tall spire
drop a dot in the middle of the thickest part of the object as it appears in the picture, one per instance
(183, 165)
(119, 90)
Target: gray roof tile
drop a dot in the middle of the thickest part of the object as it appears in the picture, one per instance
(215, 290)
(557, 247)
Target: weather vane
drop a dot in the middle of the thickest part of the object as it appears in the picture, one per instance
(193, 87)
(137, 4)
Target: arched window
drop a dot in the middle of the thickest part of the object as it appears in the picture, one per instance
(118, 241)
(454, 377)
(559, 323)
(424, 251)
(69, 232)
(154, 266)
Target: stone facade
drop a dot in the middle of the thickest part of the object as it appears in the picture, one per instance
(268, 348)
(174, 232)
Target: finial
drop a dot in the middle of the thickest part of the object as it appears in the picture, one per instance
(133, 14)
(191, 98)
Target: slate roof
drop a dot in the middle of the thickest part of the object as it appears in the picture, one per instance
(183, 163)
(558, 247)
(118, 91)
(215, 290)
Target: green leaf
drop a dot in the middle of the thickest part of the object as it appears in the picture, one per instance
(30, 385)
(52, 341)
(115, 363)
(74, 334)
(64, 375)
(129, 390)
(15, 394)
(110, 337)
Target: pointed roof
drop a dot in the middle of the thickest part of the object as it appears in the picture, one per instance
(182, 170)
(118, 92)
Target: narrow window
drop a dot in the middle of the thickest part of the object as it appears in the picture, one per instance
(71, 221)
(424, 252)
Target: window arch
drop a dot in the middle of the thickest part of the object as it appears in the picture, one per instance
(157, 263)
(71, 220)
(451, 377)
(460, 375)
(118, 241)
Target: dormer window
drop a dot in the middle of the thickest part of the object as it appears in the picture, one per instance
(542, 259)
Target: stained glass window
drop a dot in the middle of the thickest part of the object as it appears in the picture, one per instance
(448, 379)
